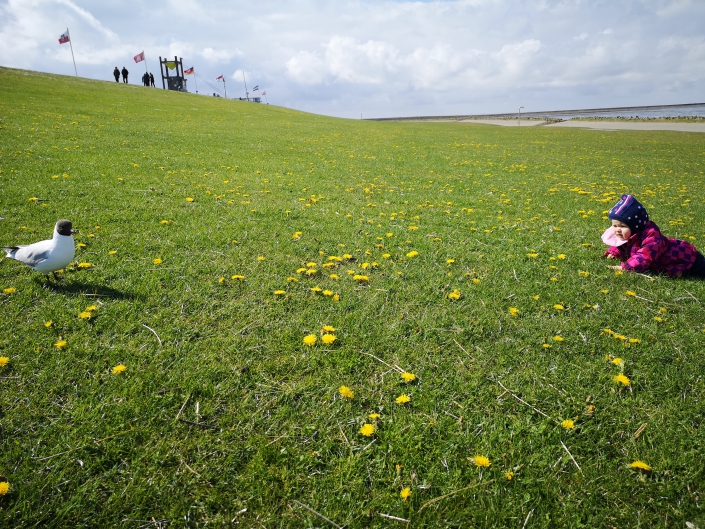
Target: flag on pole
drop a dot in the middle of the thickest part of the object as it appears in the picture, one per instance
(255, 88)
(63, 39)
(188, 71)
(139, 57)
(264, 92)
(219, 78)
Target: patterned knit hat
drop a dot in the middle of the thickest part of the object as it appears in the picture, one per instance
(629, 211)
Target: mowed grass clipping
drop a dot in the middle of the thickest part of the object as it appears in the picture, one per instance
(285, 320)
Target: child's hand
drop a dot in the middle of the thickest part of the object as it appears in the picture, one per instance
(610, 256)
(615, 267)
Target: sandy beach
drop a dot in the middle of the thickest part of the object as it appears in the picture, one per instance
(596, 125)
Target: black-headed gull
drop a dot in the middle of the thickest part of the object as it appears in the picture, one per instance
(50, 255)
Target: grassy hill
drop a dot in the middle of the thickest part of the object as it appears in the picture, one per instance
(218, 238)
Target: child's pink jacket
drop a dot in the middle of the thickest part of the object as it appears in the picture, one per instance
(650, 250)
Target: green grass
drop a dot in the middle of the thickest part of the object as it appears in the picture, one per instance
(520, 211)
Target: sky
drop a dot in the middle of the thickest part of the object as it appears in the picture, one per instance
(382, 58)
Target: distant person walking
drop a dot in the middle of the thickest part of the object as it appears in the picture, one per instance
(116, 73)
(145, 79)
(151, 80)
(124, 74)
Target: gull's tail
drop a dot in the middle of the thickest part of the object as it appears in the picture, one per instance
(10, 250)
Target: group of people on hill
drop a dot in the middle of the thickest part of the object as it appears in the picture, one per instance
(147, 78)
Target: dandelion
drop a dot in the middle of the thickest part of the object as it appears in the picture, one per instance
(412, 254)
(622, 379)
(48, 324)
(328, 292)
(533, 255)
(481, 461)
(455, 294)
(634, 340)
(84, 265)
(658, 319)
(640, 465)
(3, 361)
(310, 339)
(85, 315)
(163, 222)
(558, 338)
(237, 277)
(605, 291)
(157, 261)
(450, 261)
(60, 344)
(630, 293)
(112, 252)
(260, 258)
(405, 493)
(279, 292)
(557, 306)
(328, 328)
(316, 290)
(561, 256)
(402, 399)
(386, 255)
(221, 279)
(618, 272)
(475, 280)
(346, 392)
(328, 338)
(361, 278)
(583, 273)
(297, 235)
(618, 362)
(4, 487)
(568, 424)
(10, 290)
(118, 369)
(374, 415)
(367, 429)
(513, 311)
(189, 199)
(408, 377)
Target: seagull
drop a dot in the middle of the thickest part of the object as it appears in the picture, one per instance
(47, 256)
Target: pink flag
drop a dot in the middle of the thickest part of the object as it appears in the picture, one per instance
(63, 39)
(219, 78)
(139, 57)
(264, 93)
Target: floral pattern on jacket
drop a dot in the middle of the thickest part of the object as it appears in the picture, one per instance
(651, 250)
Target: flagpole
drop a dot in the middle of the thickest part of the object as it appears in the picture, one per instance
(194, 79)
(243, 80)
(74, 58)
(226, 90)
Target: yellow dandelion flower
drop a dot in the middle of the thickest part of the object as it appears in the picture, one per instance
(4, 487)
(360, 278)
(634, 340)
(237, 277)
(334, 276)
(412, 254)
(640, 465)
(475, 280)
(328, 338)
(568, 424)
(618, 362)
(547, 346)
(663, 309)
(622, 379)
(221, 279)
(346, 392)
(618, 272)
(316, 290)
(328, 328)
(533, 255)
(605, 291)
(402, 399)
(297, 235)
(558, 306)
(157, 261)
(260, 258)
(48, 324)
(386, 255)
(328, 292)
(455, 294)
(310, 339)
(374, 415)
(4, 360)
(582, 273)
(408, 377)
(513, 311)
(189, 199)
(336, 297)
(163, 222)
(61, 344)
(658, 319)
(405, 493)
(558, 338)
(85, 315)
(509, 475)
(561, 256)
(10, 290)
(481, 461)
(367, 429)
(311, 272)
(84, 265)
(630, 293)
(118, 369)
(450, 261)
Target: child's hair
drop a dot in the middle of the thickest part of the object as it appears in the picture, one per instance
(629, 211)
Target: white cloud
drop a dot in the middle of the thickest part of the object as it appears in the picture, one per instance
(219, 55)
(306, 68)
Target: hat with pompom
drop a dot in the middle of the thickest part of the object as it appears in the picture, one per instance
(630, 211)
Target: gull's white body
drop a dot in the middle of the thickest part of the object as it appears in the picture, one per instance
(45, 256)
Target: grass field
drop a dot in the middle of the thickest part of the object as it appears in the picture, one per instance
(219, 238)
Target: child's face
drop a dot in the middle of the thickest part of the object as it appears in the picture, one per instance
(621, 230)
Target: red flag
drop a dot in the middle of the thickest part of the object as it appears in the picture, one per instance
(264, 93)
(139, 57)
(188, 71)
(63, 39)
(219, 78)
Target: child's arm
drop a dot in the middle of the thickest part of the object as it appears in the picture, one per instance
(652, 247)
(613, 253)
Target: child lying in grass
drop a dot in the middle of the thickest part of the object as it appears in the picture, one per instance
(641, 246)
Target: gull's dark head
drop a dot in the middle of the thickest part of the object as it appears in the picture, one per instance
(64, 227)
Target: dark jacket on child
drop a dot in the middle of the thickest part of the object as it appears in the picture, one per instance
(651, 250)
